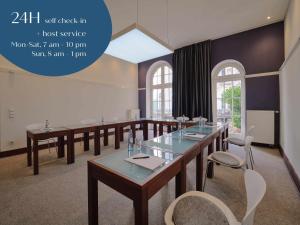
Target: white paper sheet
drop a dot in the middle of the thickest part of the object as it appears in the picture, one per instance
(150, 163)
(194, 136)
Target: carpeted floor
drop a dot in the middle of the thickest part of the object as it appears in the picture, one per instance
(58, 196)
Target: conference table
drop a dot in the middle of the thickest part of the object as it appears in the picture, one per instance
(140, 184)
(65, 136)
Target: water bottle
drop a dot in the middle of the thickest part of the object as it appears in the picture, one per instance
(130, 140)
(46, 124)
(200, 121)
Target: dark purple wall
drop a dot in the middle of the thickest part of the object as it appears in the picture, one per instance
(259, 50)
(262, 93)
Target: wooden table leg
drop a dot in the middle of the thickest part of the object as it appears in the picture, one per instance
(105, 137)
(199, 171)
(29, 152)
(180, 181)
(132, 127)
(70, 148)
(92, 198)
(121, 133)
(145, 131)
(86, 141)
(97, 144)
(218, 147)
(169, 128)
(223, 142)
(210, 172)
(60, 147)
(117, 137)
(141, 210)
(35, 157)
(154, 130)
(161, 129)
(226, 136)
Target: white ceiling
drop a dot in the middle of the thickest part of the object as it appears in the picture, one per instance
(191, 21)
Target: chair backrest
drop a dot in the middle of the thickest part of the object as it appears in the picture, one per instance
(35, 126)
(88, 121)
(256, 189)
(182, 118)
(250, 131)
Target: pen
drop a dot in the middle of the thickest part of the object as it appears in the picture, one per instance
(142, 157)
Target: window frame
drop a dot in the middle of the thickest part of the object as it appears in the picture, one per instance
(150, 87)
(234, 77)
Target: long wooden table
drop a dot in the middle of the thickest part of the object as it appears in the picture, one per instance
(139, 187)
(140, 193)
(33, 136)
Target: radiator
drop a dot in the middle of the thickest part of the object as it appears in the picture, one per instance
(263, 121)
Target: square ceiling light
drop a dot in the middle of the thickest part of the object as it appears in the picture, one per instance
(135, 44)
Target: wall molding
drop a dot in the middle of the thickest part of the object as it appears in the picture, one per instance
(290, 168)
(290, 54)
(275, 73)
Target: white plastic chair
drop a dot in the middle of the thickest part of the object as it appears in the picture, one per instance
(255, 189)
(41, 126)
(229, 159)
(241, 142)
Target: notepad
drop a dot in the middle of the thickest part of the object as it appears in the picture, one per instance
(150, 163)
(194, 136)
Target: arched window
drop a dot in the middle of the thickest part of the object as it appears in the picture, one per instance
(159, 90)
(228, 93)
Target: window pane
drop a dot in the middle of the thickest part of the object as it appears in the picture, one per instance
(157, 77)
(168, 101)
(166, 70)
(236, 88)
(156, 95)
(228, 70)
(236, 107)
(220, 107)
(235, 71)
(236, 124)
(220, 89)
(168, 78)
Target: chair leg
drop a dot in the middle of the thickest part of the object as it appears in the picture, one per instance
(48, 146)
(251, 155)
(56, 147)
(251, 161)
(206, 172)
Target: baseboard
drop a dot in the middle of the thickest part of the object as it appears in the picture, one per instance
(264, 145)
(20, 151)
(290, 168)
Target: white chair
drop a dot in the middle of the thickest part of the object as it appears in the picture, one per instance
(40, 126)
(183, 118)
(229, 159)
(241, 142)
(203, 209)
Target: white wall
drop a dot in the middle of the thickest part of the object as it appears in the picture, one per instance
(108, 88)
(292, 26)
(290, 88)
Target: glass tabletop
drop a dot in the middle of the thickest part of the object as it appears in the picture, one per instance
(137, 174)
(175, 141)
